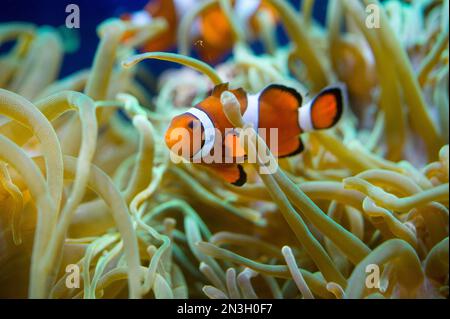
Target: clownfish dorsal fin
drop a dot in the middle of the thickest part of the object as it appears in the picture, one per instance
(231, 173)
(290, 147)
(325, 110)
(241, 95)
(282, 96)
(219, 89)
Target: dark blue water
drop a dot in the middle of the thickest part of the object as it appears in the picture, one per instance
(92, 12)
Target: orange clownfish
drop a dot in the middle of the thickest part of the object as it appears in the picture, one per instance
(212, 32)
(277, 107)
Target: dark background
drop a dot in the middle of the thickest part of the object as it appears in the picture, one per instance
(92, 13)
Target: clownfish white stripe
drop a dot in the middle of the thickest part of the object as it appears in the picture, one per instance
(209, 130)
(141, 18)
(183, 6)
(304, 117)
(251, 115)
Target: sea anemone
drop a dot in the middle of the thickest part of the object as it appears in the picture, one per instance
(86, 180)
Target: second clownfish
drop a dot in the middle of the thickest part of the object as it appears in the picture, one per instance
(212, 32)
(276, 106)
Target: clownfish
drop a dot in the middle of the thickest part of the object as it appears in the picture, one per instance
(212, 32)
(275, 107)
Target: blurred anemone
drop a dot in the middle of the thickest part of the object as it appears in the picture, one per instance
(86, 180)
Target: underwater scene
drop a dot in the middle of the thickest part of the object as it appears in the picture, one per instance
(224, 149)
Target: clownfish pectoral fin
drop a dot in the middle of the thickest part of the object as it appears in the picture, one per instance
(231, 173)
(281, 97)
(327, 107)
(240, 94)
(290, 147)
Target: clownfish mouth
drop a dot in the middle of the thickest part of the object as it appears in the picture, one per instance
(188, 141)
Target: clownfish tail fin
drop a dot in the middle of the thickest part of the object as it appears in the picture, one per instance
(325, 110)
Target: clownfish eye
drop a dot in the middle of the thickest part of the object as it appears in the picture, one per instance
(194, 124)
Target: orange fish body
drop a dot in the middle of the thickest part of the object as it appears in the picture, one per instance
(275, 110)
(215, 35)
